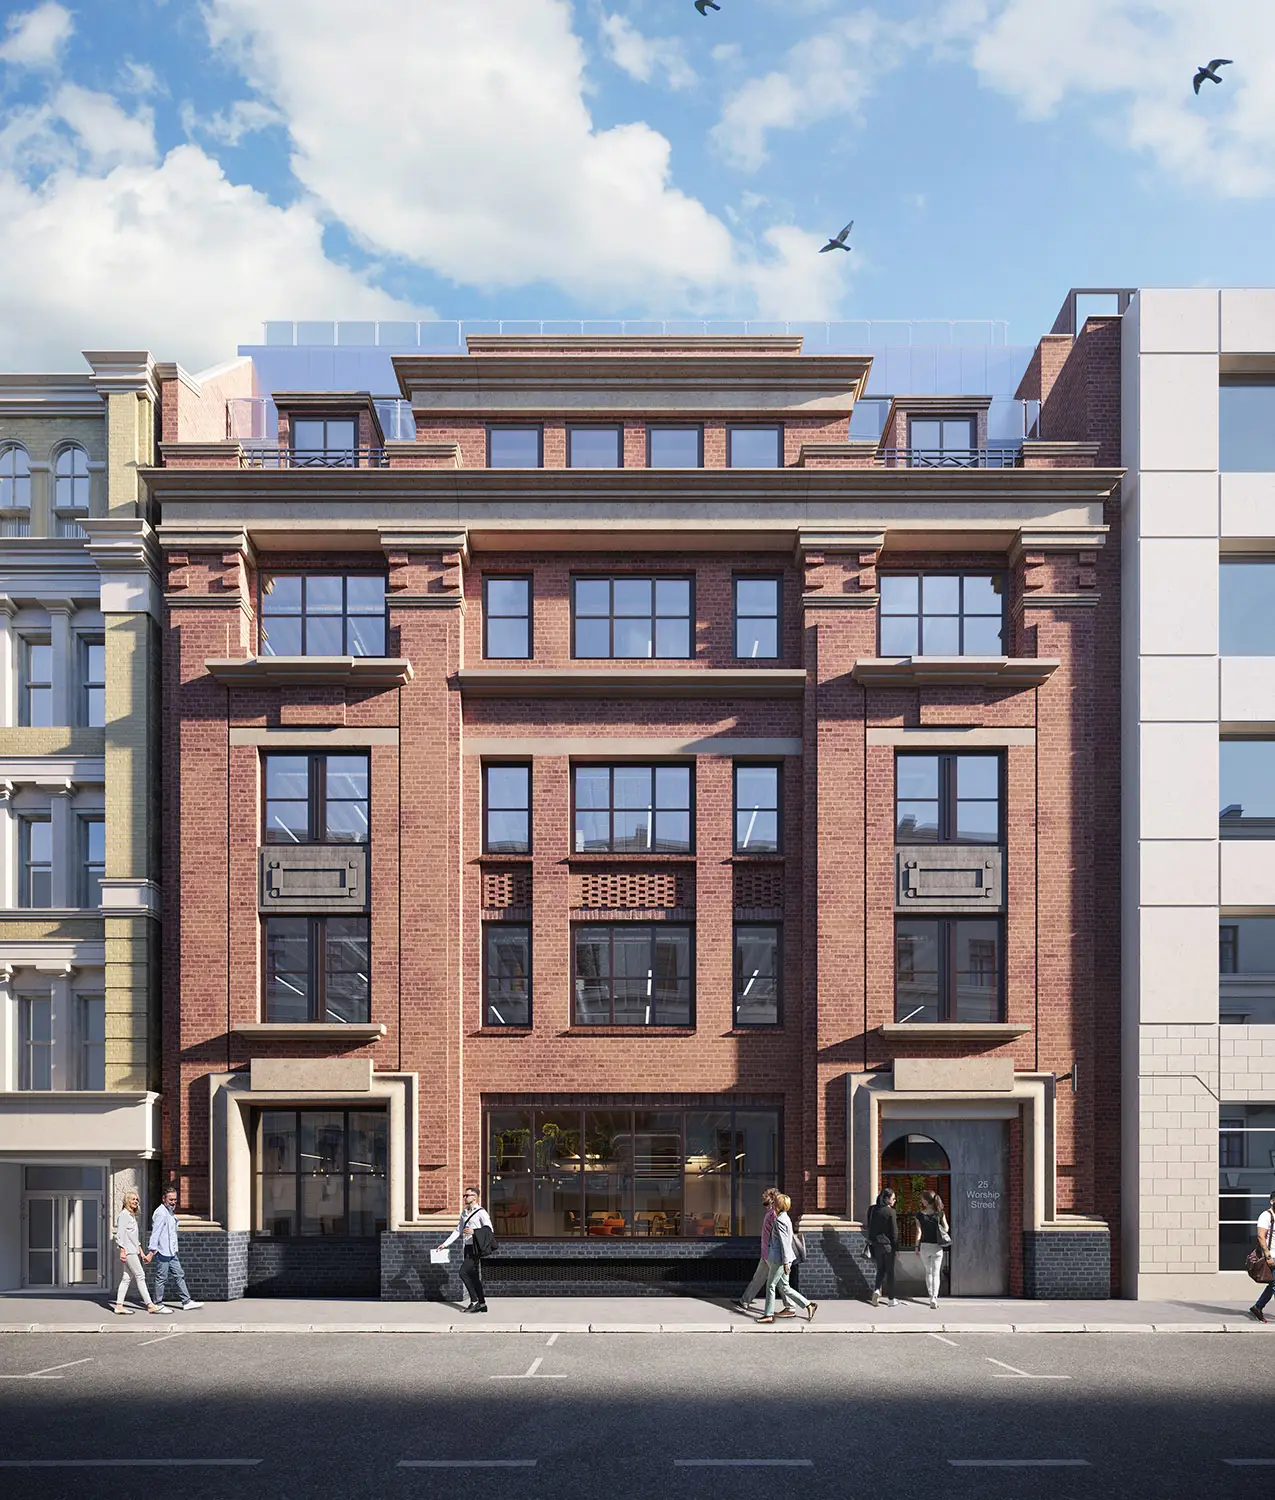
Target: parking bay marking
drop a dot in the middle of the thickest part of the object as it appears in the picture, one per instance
(949, 1342)
(468, 1463)
(1019, 1463)
(744, 1463)
(48, 1373)
(1016, 1374)
(128, 1463)
(1250, 1463)
(531, 1374)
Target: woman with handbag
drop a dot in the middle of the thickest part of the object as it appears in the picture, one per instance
(883, 1242)
(783, 1247)
(932, 1238)
(1261, 1263)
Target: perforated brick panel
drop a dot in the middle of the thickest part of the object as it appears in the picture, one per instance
(505, 888)
(759, 887)
(633, 890)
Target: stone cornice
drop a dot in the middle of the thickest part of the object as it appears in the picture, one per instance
(955, 671)
(116, 371)
(121, 544)
(425, 539)
(1058, 539)
(206, 539)
(49, 396)
(310, 671)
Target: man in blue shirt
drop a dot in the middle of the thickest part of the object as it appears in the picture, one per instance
(164, 1243)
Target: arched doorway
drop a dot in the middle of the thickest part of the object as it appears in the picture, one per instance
(913, 1164)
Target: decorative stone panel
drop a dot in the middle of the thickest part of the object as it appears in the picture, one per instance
(949, 878)
(313, 878)
(633, 890)
(506, 886)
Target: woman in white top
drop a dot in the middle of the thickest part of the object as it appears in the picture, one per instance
(932, 1238)
(126, 1237)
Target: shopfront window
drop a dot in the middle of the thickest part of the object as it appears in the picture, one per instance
(321, 1172)
(620, 1173)
(1246, 1161)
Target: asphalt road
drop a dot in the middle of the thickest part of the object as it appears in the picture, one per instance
(627, 1417)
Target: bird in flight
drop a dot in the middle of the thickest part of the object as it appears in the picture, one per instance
(704, 6)
(838, 242)
(1210, 72)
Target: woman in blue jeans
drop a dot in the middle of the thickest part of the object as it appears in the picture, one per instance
(780, 1253)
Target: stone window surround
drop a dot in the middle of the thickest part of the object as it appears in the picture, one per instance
(66, 801)
(43, 513)
(64, 623)
(62, 982)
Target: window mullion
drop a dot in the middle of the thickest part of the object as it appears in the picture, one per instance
(318, 791)
(318, 1008)
(947, 935)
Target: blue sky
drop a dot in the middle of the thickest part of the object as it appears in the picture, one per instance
(172, 173)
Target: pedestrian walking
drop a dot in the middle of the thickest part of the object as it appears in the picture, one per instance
(476, 1235)
(883, 1242)
(781, 1251)
(932, 1238)
(1265, 1240)
(745, 1303)
(163, 1245)
(131, 1258)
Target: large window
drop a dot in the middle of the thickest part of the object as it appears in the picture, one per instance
(93, 681)
(321, 1172)
(632, 809)
(595, 448)
(1246, 425)
(92, 860)
(35, 861)
(514, 447)
(1246, 971)
(316, 799)
(324, 442)
(942, 614)
(754, 447)
(71, 479)
(333, 614)
(15, 491)
(674, 447)
(1246, 621)
(90, 1041)
(1246, 782)
(632, 617)
(1246, 1158)
(317, 969)
(758, 974)
(633, 974)
(507, 809)
(507, 618)
(622, 1173)
(757, 618)
(942, 442)
(947, 969)
(947, 799)
(506, 974)
(35, 1042)
(757, 808)
(35, 706)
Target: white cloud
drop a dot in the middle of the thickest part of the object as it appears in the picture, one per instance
(230, 126)
(36, 37)
(645, 57)
(140, 78)
(107, 134)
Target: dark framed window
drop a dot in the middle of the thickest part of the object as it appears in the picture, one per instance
(633, 809)
(320, 1172)
(757, 618)
(632, 617)
(1246, 1155)
(947, 798)
(754, 447)
(1228, 948)
(758, 974)
(507, 809)
(595, 448)
(35, 703)
(507, 617)
(93, 681)
(943, 442)
(324, 442)
(515, 447)
(35, 861)
(90, 1041)
(675, 447)
(92, 836)
(1246, 424)
(1246, 786)
(1231, 1142)
(35, 1042)
(664, 1173)
(317, 969)
(948, 969)
(1246, 971)
(506, 974)
(321, 798)
(757, 820)
(633, 974)
(323, 614)
(942, 614)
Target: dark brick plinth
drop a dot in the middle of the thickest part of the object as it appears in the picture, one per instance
(1067, 1264)
(215, 1262)
(314, 1268)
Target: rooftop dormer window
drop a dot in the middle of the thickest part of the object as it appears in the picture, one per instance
(943, 442)
(325, 442)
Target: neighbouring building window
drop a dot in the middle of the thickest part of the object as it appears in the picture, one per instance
(943, 442)
(947, 799)
(514, 448)
(595, 448)
(324, 442)
(90, 1034)
(317, 969)
(757, 618)
(632, 809)
(633, 974)
(942, 614)
(1246, 621)
(15, 491)
(321, 1172)
(1246, 971)
(947, 969)
(312, 614)
(633, 617)
(754, 447)
(506, 974)
(758, 974)
(92, 834)
(1246, 425)
(71, 479)
(507, 618)
(35, 1042)
(507, 809)
(1246, 783)
(622, 1173)
(756, 808)
(35, 703)
(35, 861)
(93, 681)
(316, 799)
(1246, 1159)
(674, 447)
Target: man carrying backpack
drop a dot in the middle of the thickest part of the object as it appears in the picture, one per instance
(477, 1238)
(1265, 1224)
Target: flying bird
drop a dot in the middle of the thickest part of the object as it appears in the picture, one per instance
(1210, 72)
(704, 6)
(839, 241)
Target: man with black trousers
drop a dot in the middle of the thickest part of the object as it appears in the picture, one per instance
(475, 1234)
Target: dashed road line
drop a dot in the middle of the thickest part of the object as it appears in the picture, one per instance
(1019, 1463)
(128, 1463)
(744, 1463)
(466, 1463)
(949, 1342)
(1016, 1374)
(48, 1374)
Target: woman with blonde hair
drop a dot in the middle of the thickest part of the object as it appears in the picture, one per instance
(132, 1256)
(781, 1251)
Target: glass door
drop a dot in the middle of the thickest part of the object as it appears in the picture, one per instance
(62, 1215)
(43, 1244)
(83, 1241)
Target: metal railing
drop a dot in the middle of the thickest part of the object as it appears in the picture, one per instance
(310, 458)
(254, 419)
(67, 526)
(11, 526)
(950, 458)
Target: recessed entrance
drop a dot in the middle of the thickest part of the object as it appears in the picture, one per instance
(62, 1221)
(912, 1165)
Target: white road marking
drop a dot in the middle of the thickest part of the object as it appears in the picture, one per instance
(467, 1463)
(177, 1333)
(1016, 1374)
(128, 1463)
(1250, 1463)
(47, 1374)
(1019, 1463)
(744, 1463)
(531, 1374)
(553, 1339)
(942, 1340)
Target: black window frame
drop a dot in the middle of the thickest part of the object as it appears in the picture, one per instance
(316, 977)
(777, 928)
(530, 616)
(948, 801)
(581, 929)
(258, 1232)
(317, 800)
(653, 579)
(965, 457)
(507, 765)
(733, 427)
(777, 766)
(615, 427)
(612, 766)
(329, 456)
(735, 616)
(696, 427)
(947, 977)
(495, 931)
(305, 575)
(962, 574)
(537, 427)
